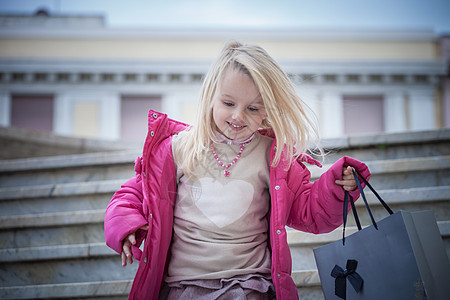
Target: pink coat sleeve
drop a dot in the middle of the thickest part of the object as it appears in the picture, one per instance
(124, 215)
(318, 205)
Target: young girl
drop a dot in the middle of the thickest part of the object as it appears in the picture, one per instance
(213, 200)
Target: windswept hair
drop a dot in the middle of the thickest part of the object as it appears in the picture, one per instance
(288, 116)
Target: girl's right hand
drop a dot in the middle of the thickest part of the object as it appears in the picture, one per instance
(129, 241)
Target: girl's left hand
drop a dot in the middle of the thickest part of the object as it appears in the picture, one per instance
(348, 182)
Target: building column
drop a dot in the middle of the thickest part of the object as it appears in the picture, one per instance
(5, 109)
(62, 115)
(446, 102)
(331, 115)
(395, 112)
(110, 116)
(422, 110)
(171, 105)
(311, 97)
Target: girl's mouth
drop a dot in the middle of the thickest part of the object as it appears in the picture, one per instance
(235, 127)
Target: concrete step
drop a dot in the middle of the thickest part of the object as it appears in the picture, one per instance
(66, 234)
(52, 219)
(57, 204)
(404, 173)
(50, 216)
(307, 282)
(67, 168)
(53, 257)
(57, 197)
(302, 243)
(119, 164)
(399, 173)
(296, 237)
(78, 269)
(25, 143)
(436, 199)
(57, 223)
(31, 229)
(303, 278)
(55, 252)
(113, 290)
(65, 251)
(388, 146)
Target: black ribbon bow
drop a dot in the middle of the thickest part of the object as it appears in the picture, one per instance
(341, 276)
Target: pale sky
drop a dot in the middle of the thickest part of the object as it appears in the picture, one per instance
(272, 14)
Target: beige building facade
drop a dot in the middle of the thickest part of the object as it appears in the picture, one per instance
(75, 77)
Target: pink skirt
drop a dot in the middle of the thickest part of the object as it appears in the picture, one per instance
(245, 287)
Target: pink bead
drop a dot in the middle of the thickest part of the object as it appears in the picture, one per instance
(227, 172)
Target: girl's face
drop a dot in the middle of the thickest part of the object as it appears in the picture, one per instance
(238, 109)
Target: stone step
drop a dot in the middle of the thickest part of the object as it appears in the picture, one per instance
(398, 198)
(308, 284)
(389, 145)
(68, 251)
(296, 237)
(57, 204)
(55, 252)
(307, 281)
(66, 234)
(53, 219)
(25, 143)
(381, 171)
(303, 278)
(119, 164)
(113, 290)
(86, 226)
(57, 197)
(404, 173)
(310, 293)
(53, 271)
(302, 243)
(53, 257)
(396, 165)
(67, 168)
(436, 199)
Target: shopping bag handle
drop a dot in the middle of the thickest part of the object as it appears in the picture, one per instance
(355, 214)
(388, 209)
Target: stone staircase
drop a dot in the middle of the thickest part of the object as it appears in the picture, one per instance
(52, 210)
(51, 227)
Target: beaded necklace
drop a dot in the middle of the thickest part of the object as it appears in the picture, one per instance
(226, 170)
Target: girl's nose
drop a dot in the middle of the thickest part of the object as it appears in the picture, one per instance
(237, 115)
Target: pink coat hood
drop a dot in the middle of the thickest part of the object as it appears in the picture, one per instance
(149, 199)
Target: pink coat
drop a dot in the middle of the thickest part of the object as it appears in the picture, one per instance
(149, 199)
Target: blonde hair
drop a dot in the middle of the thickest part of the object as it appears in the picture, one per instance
(286, 112)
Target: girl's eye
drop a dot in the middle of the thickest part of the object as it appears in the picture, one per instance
(253, 109)
(228, 103)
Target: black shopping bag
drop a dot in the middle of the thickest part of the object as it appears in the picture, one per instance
(399, 257)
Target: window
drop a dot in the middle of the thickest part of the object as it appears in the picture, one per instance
(363, 114)
(32, 112)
